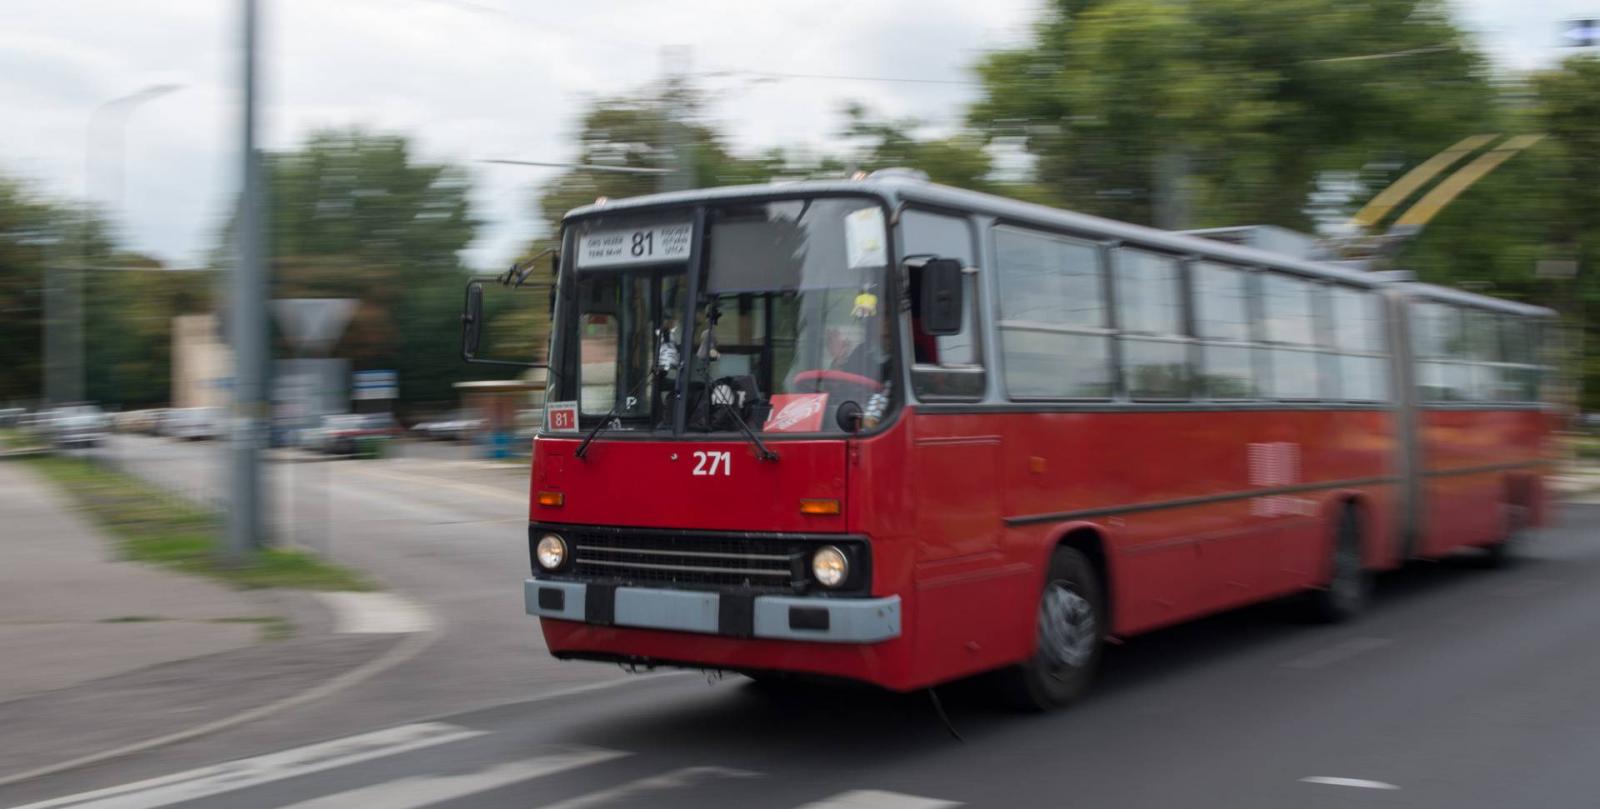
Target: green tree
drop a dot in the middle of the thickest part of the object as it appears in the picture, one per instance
(1235, 107)
(354, 214)
(128, 316)
(958, 160)
(1568, 104)
(644, 131)
(31, 234)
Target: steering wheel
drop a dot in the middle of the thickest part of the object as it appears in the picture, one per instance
(831, 375)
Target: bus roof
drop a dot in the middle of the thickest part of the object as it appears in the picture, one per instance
(898, 186)
(1465, 298)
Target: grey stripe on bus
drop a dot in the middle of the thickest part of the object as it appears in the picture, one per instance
(1060, 516)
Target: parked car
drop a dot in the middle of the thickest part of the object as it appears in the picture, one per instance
(193, 423)
(77, 426)
(340, 434)
(457, 426)
(10, 416)
(136, 421)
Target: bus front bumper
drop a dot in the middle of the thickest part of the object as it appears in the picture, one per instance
(826, 620)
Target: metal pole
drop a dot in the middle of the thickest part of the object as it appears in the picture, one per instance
(675, 119)
(248, 324)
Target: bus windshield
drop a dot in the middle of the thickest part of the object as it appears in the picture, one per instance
(789, 329)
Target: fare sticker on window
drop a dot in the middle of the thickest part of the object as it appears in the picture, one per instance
(863, 239)
(796, 413)
(561, 415)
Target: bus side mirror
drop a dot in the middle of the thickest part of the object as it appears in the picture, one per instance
(472, 324)
(472, 321)
(940, 281)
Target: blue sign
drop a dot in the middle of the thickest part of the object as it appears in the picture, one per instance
(374, 385)
(1583, 33)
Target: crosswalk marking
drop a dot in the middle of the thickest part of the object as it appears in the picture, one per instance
(419, 791)
(250, 772)
(449, 782)
(685, 777)
(878, 799)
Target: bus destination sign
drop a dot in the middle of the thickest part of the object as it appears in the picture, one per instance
(649, 244)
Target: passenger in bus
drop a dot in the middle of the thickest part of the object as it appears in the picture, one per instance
(847, 351)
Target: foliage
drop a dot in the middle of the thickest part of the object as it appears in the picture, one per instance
(31, 234)
(1217, 112)
(128, 328)
(354, 215)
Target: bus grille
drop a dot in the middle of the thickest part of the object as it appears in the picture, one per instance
(688, 560)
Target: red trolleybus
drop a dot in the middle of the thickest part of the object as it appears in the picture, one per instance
(902, 433)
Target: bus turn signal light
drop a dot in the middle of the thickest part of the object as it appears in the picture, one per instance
(551, 499)
(819, 506)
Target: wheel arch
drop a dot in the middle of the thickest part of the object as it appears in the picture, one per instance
(1088, 539)
(1373, 554)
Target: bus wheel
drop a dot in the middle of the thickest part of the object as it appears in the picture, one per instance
(1071, 627)
(1345, 595)
(1504, 552)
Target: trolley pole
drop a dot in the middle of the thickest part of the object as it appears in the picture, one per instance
(248, 324)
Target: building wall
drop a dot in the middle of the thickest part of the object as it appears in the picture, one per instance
(202, 365)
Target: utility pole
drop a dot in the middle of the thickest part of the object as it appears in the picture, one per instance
(247, 323)
(675, 118)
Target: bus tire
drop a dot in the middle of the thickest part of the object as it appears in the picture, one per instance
(1346, 593)
(1070, 624)
(1504, 552)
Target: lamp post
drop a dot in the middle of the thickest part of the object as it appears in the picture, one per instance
(64, 349)
(247, 326)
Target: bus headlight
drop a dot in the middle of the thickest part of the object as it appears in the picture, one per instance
(551, 552)
(830, 566)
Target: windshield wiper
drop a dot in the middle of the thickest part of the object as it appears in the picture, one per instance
(762, 452)
(616, 410)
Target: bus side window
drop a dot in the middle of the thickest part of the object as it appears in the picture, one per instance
(1357, 335)
(1222, 323)
(944, 367)
(1155, 353)
(1289, 326)
(1437, 341)
(1054, 338)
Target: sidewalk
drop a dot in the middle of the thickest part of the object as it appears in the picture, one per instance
(70, 612)
(104, 658)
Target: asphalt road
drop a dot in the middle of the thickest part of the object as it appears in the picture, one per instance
(1464, 687)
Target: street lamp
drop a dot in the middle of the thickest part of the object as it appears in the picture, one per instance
(64, 352)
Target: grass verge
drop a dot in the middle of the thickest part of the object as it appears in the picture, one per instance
(1586, 447)
(150, 525)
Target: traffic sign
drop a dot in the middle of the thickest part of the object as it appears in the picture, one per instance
(366, 386)
(312, 325)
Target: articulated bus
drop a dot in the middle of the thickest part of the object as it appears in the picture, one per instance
(900, 433)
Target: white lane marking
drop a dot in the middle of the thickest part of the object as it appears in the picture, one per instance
(1360, 783)
(878, 799)
(376, 613)
(1337, 653)
(655, 783)
(422, 790)
(249, 772)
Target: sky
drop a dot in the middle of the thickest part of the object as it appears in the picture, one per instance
(474, 80)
